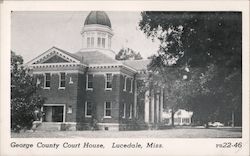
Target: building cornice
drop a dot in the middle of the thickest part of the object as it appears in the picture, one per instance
(115, 65)
(91, 66)
(56, 65)
(98, 49)
(58, 71)
(97, 27)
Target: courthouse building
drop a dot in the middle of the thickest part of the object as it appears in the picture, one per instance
(90, 88)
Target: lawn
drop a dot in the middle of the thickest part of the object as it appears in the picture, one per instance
(167, 133)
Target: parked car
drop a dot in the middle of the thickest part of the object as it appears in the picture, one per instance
(216, 124)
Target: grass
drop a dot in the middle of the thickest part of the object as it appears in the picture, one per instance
(167, 133)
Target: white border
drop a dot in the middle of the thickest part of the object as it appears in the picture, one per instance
(177, 146)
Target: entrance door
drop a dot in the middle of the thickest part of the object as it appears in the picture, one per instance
(57, 113)
(53, 113)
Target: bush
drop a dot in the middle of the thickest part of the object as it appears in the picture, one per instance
(23, 112)
(24, 101)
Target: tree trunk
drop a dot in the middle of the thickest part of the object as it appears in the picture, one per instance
(172, 117)
(232, 118)
(206, 125)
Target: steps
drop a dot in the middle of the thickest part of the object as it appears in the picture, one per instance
(49, 126)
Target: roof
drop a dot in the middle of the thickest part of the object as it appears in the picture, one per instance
(98, 17)
(95, 57)
(70, 54)
(183, 113)
(44, 56)
(179, 113)
(137, 64)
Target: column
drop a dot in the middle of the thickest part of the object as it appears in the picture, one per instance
(152, 106)
(135, 98)
(161, 104)
(146, 107)
(157, 107)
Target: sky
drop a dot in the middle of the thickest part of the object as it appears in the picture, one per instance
(32, 33)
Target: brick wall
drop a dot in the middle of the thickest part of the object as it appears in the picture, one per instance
(99, 95)
(126, 97)
(67, 96)
(75, 95)
(81, 98)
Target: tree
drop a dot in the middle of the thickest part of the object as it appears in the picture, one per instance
(24, 101)
(207, 41)
(179, 87)
(128, 54)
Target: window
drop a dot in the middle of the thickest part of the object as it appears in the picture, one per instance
(124, 111)
(107, 109)
(108, 84)
(99, 42)
(130, 111)
(125, 83)
(90, 82)
(103, 42)
(92, 41)
(62, 80)
(177, 120)
(128, 84)
(88, 42)
(88, 109)
(69, 110)
(47, 80)
(131, 86)
(185, 120)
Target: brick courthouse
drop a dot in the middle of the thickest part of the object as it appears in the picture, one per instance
(90, 88)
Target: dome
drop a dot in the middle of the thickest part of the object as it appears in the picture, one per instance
(97, 17)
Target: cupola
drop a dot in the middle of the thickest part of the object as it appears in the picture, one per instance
(97, 33)
(98, 17)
